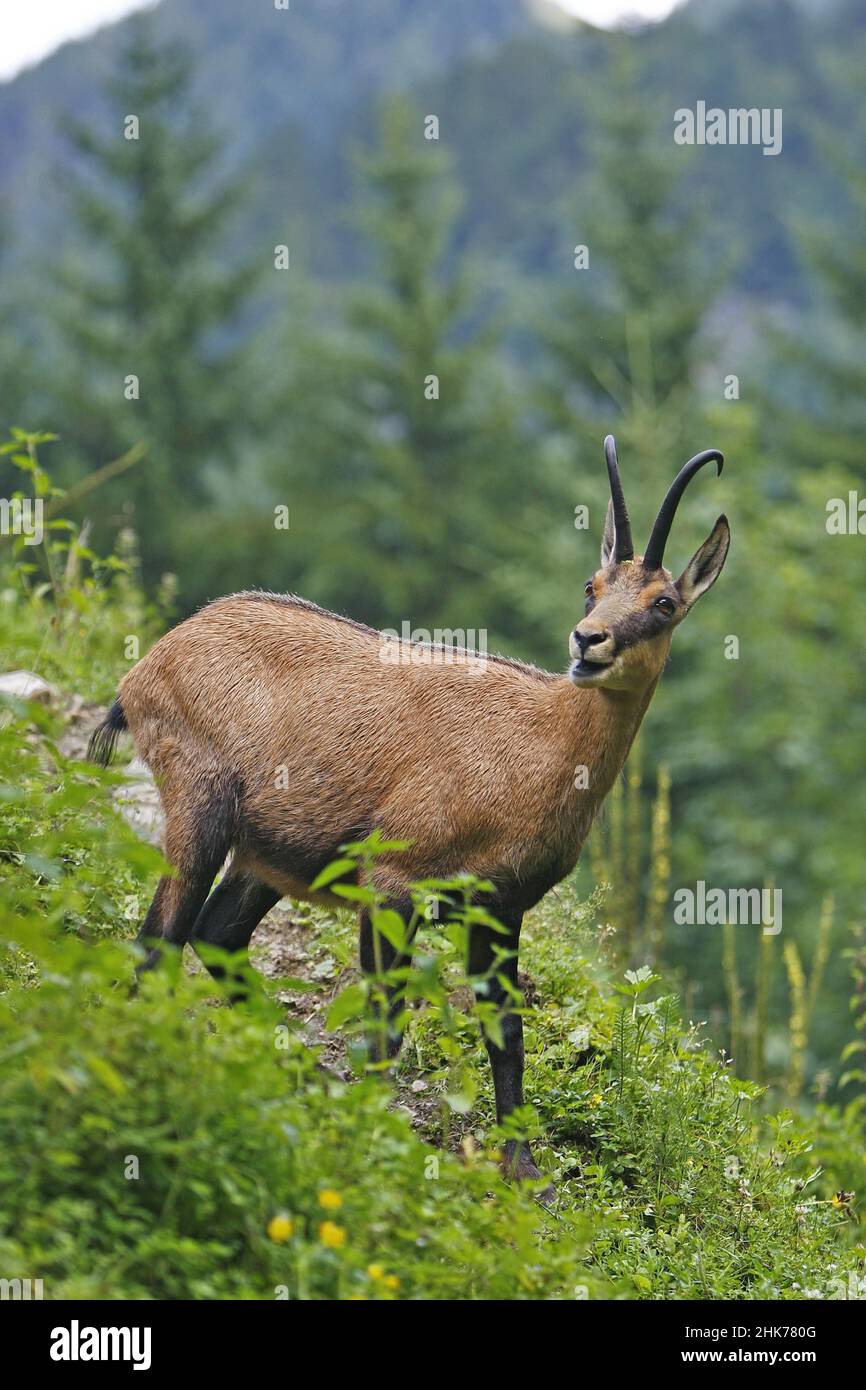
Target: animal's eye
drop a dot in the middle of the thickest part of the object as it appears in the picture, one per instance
(588, 589)
(666, 604)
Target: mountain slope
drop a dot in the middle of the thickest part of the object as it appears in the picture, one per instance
(257, 70)
(291, 92)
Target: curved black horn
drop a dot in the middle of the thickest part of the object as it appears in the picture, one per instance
(667, 511)
(623, 548)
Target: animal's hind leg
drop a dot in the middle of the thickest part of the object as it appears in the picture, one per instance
(177, 902)
(151, 927)
(198, 835)
(229, 918)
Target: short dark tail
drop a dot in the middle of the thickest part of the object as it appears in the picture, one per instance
(100, 749)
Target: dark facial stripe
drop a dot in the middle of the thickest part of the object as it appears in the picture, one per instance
(640, 627)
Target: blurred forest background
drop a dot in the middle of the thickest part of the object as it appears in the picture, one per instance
(304, 387)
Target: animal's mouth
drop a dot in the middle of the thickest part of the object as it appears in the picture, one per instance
(583, 670)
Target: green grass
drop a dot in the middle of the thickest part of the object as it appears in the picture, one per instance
(160, 1145)
(670, 1184)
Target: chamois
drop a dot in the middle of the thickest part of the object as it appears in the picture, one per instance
(473, 761)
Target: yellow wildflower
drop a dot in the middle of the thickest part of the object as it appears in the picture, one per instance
(330, 1200)
(331, 1235)
(281, 1229)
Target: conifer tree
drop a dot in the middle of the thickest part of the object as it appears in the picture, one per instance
(623, 345)
(816, 398)
(149, 318)
(403, 454)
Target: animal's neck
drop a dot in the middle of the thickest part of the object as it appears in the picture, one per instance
(598, 727)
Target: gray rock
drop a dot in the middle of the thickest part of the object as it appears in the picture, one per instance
(26, 685)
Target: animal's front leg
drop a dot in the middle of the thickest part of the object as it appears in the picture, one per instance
(378, 957)
(506, 1062)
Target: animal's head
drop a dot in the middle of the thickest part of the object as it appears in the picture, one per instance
(633, 603)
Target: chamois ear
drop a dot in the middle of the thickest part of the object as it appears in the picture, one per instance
(608, 538)
(705, 566)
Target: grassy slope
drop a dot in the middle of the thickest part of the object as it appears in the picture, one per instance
(669, 1183)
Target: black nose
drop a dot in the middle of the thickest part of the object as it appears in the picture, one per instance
(585, 640)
